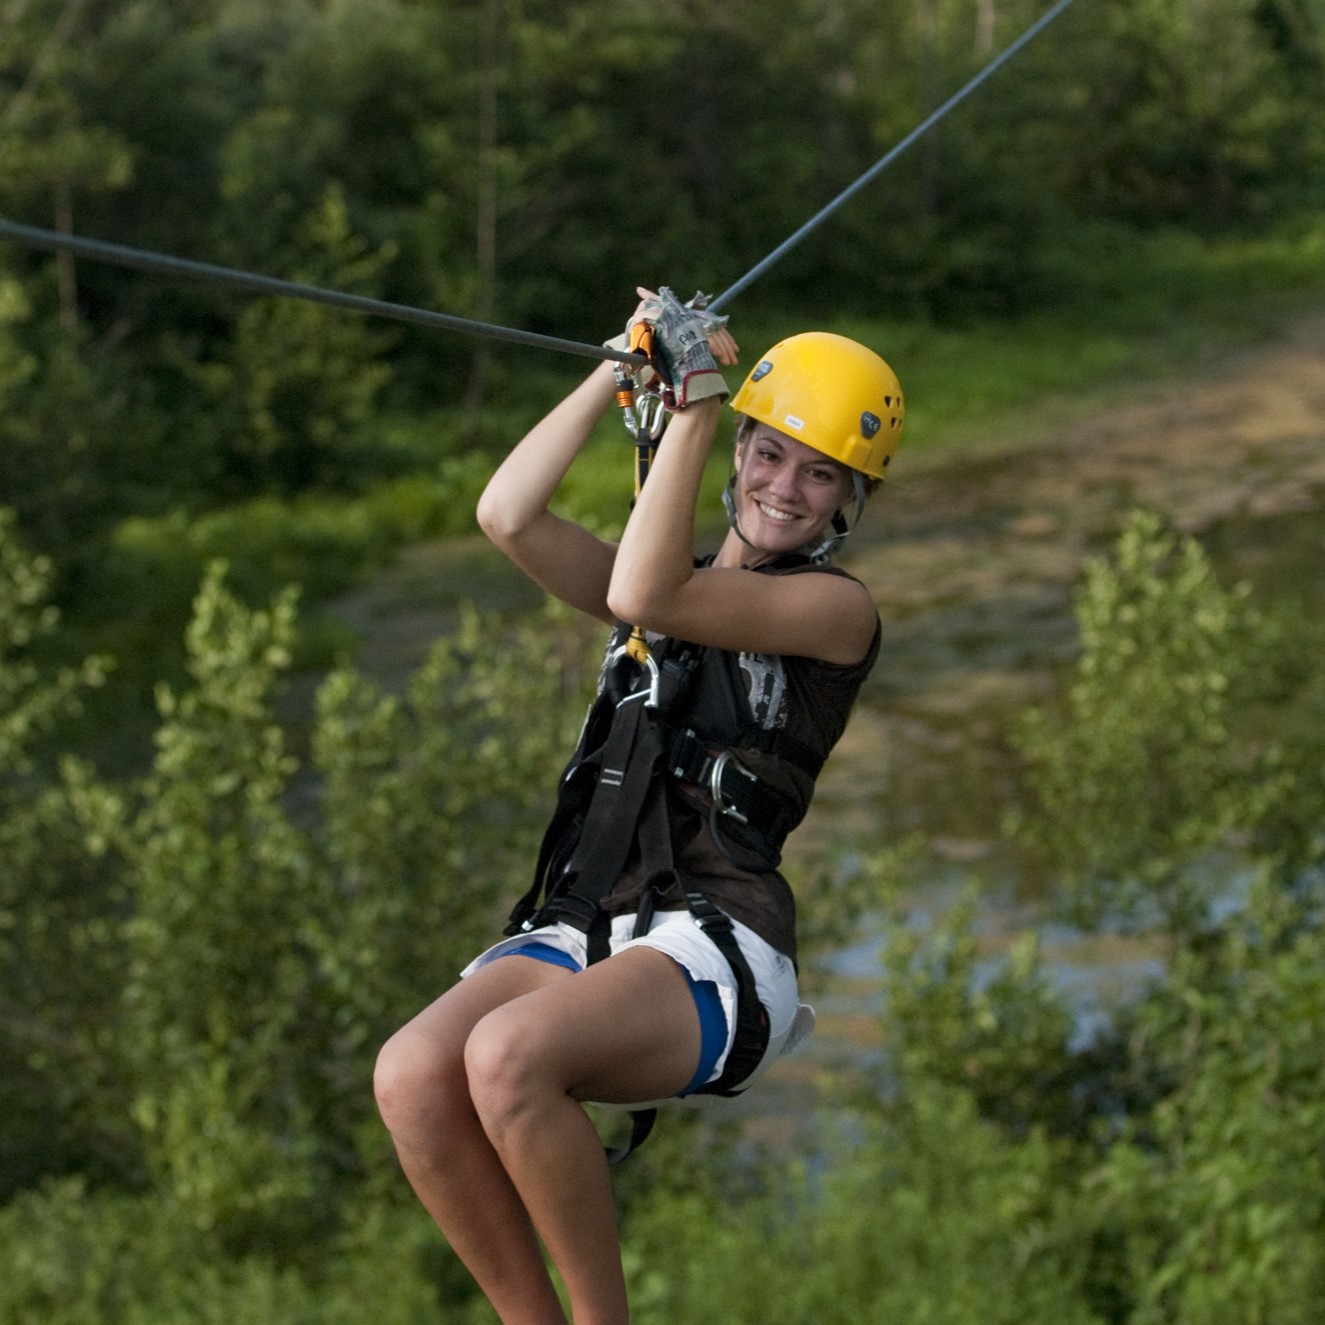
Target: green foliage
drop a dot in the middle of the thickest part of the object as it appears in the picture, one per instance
(29, 700)
(1167, 1171)
(74, 1256)
(432, 801)
(999, 1031)
(266, 959)
(1144, 774)
(1221, 1186)
(196, 962)
(79, 446)
(929, 1215)
(1205, 109)
(54, 1012)
(480, 159)
(223, 985)
(199, 964)
(291, 402)
(492, 161)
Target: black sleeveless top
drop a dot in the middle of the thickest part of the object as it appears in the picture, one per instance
(780, 715)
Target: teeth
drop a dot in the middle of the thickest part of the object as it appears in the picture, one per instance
(774, 514)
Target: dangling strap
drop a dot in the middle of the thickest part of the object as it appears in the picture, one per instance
(627, 771)
(641, 1124)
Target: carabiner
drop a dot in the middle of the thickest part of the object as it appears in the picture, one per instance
(652, 414)
(648, 662)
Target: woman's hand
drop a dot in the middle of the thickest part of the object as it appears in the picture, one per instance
(688, 344)
(721, 341)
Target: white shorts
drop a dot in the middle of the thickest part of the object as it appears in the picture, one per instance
(678, 935)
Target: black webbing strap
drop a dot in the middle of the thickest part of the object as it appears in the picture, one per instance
(614, 799)
(608, 738)
(641, 1124)
(750, 1043)
(605, 794)
(627, 775)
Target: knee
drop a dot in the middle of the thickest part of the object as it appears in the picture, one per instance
(506, 1072)
(419, 1085)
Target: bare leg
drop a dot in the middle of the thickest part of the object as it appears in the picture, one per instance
(623, 1031)
(424, 1099)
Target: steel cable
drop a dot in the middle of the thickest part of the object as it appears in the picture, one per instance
(144, 260)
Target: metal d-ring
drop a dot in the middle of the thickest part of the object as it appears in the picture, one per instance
(715, 784)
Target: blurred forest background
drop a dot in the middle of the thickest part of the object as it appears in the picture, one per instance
(231, 862)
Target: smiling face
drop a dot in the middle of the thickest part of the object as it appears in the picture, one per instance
(786, 492)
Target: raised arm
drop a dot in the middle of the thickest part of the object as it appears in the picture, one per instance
(654, 582)
(562, 557)
(787, 492)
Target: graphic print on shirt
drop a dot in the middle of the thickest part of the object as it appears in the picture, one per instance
(766, 688)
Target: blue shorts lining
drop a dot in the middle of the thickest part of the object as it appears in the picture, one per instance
(712, 1028)
(708, 1003)
(543, 952)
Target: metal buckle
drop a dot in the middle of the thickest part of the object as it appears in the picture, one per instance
(712, 919)
(720, 804)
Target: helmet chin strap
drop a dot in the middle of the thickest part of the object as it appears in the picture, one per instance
(729, 505)
(825, 549)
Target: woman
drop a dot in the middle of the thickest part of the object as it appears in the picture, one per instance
(652, 963)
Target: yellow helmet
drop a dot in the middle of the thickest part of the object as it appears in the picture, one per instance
(832, 394)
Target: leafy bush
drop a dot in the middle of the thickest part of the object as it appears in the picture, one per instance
(204, 959)
(1144, 774)
(925, 1213)
(75, 1256)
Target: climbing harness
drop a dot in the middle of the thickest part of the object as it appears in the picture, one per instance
(661, 734)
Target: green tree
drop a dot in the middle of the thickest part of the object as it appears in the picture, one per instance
(433, 800)
(1219, 1187)
(222, 990)
(1198, 109)
(291, 403)
(57, 967)
(205, 959)
(1149, 766)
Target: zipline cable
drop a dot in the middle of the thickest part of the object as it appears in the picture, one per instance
(144, 260)
(889, 157)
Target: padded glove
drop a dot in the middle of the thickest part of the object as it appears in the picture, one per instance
(682, 356)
